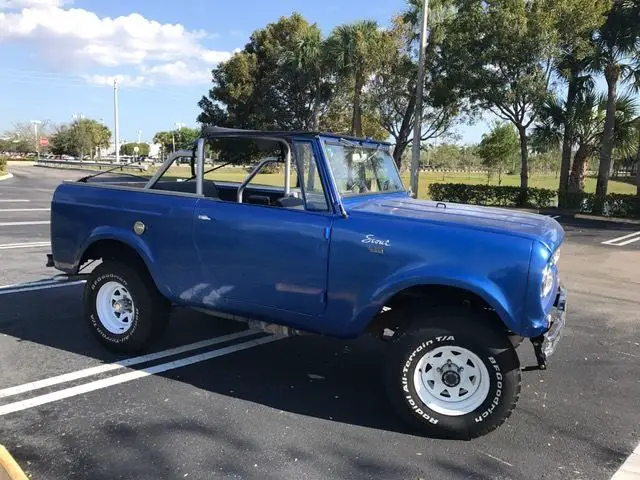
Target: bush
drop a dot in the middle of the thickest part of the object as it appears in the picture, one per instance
(614, 205)
(3, 164)
(491, 195)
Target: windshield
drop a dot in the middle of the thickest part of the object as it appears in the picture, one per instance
(361, 170)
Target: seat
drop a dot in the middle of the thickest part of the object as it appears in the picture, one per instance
(291, 202)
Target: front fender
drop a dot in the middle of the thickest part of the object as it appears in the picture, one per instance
(130, 239)
(484, 287)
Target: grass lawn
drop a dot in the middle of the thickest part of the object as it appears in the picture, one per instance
(229, 174)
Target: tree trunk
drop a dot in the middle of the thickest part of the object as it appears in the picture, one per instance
(576, 178)
(611, 73)
(567, 140)
(638, 171)
(356, 122)
(524, 165)
(406, 127)
(315, 112)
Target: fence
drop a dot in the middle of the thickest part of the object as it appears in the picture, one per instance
(80, 164)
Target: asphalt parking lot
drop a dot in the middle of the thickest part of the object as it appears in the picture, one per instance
(216, 401)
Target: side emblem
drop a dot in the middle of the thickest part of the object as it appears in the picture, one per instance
(375, 245)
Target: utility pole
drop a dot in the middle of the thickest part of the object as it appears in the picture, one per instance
(417, 126)
(35, 124)
(116, 121)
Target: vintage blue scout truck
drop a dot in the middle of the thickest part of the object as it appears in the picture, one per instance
(334, 245)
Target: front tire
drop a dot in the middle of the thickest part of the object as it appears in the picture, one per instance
(453, 376)
(123, 307)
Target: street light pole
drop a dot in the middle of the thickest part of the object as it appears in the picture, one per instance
(116, 120)
(417, 126)
(35, 124)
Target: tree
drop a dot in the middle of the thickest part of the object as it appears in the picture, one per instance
(498, 148)
(309, 57)
(184, 138)
(393, 87)
(358, 51)
(21, 138)
(445, 155)
(615, 42)
(588, 122)
(81, 137)
(468, 158)
(277, 82)
(498, 53)
(129, 149)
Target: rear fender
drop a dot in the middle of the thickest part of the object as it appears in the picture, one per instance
(133, 241)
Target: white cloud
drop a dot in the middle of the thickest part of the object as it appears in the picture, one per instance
(123, 80)
(179, 73)
(16, 4)
(79, 39)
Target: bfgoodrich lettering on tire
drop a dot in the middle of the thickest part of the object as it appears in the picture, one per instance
(453, 376)
(123, 307)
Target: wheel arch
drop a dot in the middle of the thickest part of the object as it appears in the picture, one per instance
(112, 245)
(440, 293)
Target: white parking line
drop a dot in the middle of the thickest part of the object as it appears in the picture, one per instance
(31, 288)
(88, 372)
(10, 246)
(630, 469)
(2, 210)
(624, 240)
(127, 377)
(15, 200)
(12, 224)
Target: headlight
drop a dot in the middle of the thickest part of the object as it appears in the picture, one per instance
(547, 275)
(547, 281)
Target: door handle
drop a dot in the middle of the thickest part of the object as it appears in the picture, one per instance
(204, 218)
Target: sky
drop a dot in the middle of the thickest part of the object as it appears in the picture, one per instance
(60, 57)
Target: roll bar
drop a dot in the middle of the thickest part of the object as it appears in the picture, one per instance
(256, 170)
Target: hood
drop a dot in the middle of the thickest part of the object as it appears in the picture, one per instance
(530, 225)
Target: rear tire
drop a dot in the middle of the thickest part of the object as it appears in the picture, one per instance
(123, 307)
(453, 375)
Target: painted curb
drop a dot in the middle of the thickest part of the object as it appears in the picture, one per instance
(9, 469)
(6, 177)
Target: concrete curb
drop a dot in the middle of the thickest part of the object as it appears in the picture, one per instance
(6, 177)
(9, 469)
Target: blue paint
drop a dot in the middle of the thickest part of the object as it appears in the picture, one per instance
(317, 271)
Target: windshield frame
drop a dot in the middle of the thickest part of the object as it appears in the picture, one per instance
(364, 145)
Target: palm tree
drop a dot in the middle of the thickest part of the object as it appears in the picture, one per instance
(616, 41)
(588, 124)
(356, 51)
(571, 69)
(309, 55)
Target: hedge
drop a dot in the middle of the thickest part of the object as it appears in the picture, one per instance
(614, 205)
(502, 196)
(3, 164)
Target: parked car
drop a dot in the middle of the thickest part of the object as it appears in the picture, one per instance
(339, 249)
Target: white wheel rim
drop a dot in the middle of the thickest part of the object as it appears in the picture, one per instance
(451, 380)
(115, 307)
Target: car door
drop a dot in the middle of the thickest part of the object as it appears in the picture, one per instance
(264, 257)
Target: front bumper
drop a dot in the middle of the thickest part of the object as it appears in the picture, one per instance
(545, 344)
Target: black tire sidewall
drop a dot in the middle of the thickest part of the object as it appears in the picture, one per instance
(135, 336)
(503, 388)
